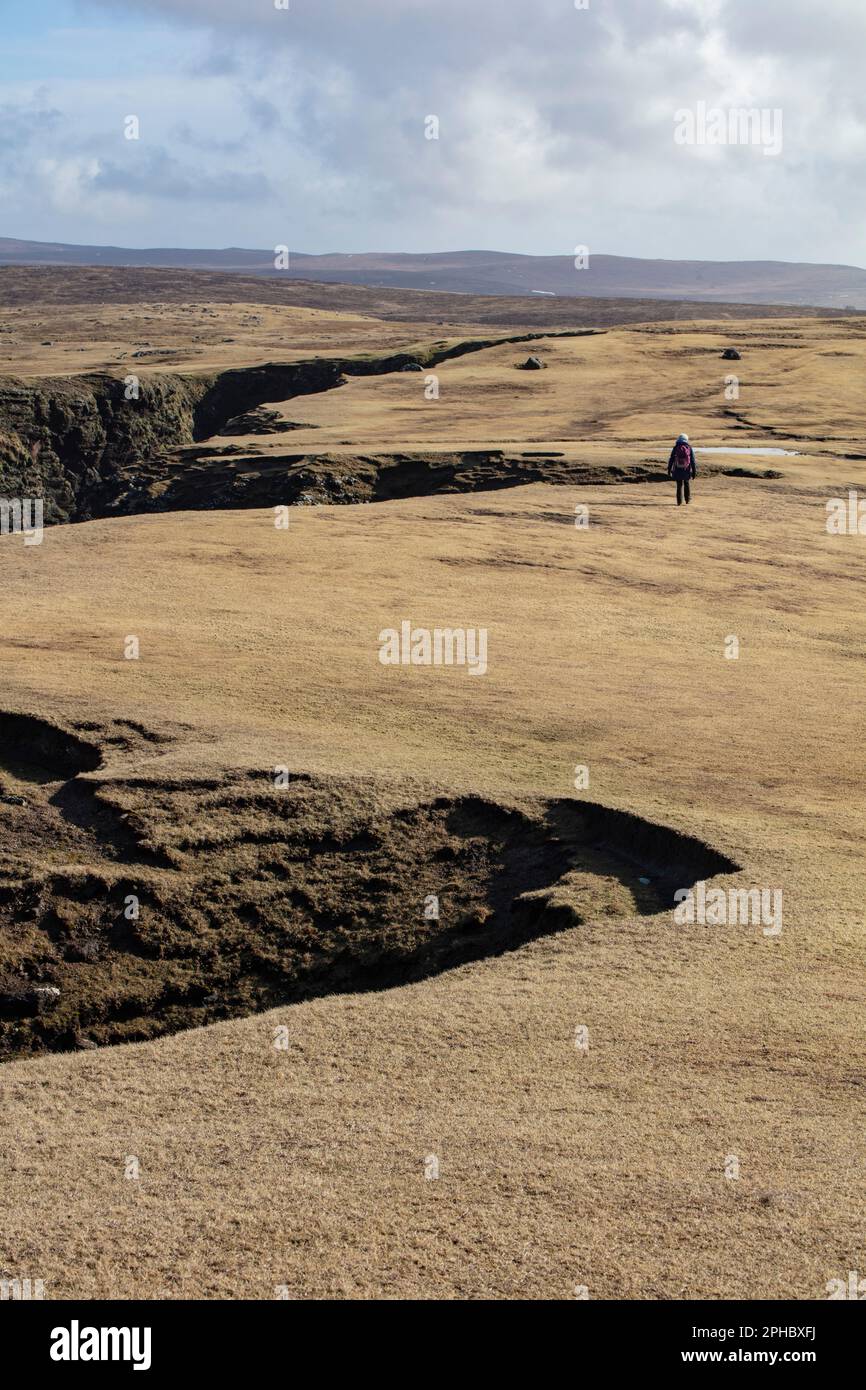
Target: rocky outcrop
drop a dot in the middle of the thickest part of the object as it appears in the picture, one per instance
(90, 446)
(67, 440)
(134, 905)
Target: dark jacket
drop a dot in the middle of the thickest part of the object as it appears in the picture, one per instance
(678, 473)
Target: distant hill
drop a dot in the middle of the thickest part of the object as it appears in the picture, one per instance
(23, 286)
(496, 273)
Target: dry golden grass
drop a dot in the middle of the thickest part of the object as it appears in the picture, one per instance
(619, 395)
(305, 1167)
(63, 340)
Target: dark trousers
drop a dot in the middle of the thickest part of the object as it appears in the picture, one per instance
(683, 490)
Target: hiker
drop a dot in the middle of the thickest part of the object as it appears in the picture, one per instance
(681, 467)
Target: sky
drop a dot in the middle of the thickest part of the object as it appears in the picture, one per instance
(308, 126)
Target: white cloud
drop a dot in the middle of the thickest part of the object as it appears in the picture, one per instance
(261, 126)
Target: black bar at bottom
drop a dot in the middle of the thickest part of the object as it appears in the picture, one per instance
(142, 1339)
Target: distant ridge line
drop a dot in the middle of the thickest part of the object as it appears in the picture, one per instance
(492, 273)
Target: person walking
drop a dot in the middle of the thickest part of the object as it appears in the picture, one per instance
(681, 467)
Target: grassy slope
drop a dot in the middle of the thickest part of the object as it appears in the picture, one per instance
(261, 1168)
(632, 387)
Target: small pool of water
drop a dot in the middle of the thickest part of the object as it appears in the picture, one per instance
(737, 449)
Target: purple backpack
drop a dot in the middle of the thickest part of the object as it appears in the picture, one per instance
(682, 459)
